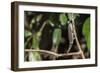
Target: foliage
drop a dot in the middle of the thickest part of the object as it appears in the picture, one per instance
(86, 31)
(27, 33)
(63, 19)
(57, 23)
(35, 39)
(56, 36)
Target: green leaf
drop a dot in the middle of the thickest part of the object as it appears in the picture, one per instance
(38, 18)
(27, 33)
(39, 34)
(86, 31)
(31, 57)
(57, 36)
(32, 23)
(63, 19)
(35, 45)
(35, 41)
(33, 20)
(34, 56)
(37, 56)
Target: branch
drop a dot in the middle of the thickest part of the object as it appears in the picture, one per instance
(69, 54)
(44, 51)
(53, 53)
(42, 27)
(78, 44)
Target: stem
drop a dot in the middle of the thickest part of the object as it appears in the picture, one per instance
(77, 42)
(52, 53)
(42, 27)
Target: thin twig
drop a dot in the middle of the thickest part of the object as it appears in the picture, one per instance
(42, 27)
(77, 42)
(44, 51)
(69, 54)
(52, 53)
